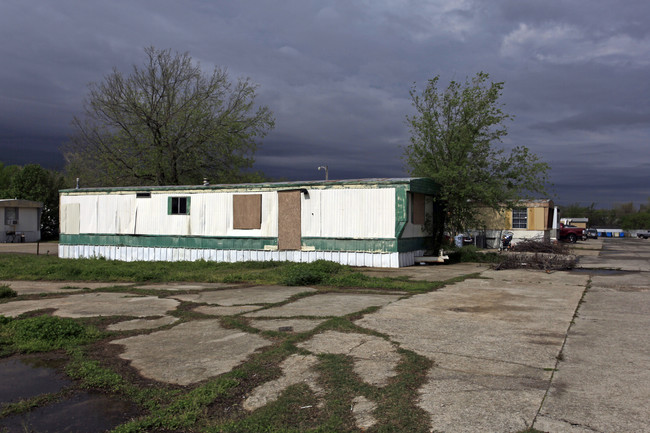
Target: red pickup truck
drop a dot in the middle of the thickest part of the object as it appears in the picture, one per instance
(572, 233)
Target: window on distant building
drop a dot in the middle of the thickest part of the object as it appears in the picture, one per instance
(520, 218)
(11, 215)
(178, 206)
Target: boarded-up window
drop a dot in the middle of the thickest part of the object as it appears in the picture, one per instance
(247, 211)
(417, 208)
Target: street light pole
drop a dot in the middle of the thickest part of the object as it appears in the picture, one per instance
(324, 167)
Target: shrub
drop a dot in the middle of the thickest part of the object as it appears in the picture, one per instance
(7, 292)
(302, 274)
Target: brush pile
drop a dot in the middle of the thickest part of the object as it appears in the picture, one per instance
(538, 254)
(540, 246)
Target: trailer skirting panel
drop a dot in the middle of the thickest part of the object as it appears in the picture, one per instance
(134, 254)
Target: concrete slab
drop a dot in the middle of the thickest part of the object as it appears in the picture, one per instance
(362, 411)
(226, 311)
(45, 287)
(185, 286)
(41, 248)
(626, 254)
(374, 358)
(435, 272)
(139, 324)
(327, 304)
(493, 341)
(603, 381)
(246, 295)
(94, 304)
(295, 325)
(190, 352)
(590, 247)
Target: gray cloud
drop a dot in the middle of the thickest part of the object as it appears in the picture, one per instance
(337, 76)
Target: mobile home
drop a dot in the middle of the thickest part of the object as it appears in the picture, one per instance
(532, 219)
(21, 220)
(367, 222)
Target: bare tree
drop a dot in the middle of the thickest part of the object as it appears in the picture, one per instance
(166, 124)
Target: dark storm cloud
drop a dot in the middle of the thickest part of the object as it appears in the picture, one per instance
(337, 76)
(597, 120)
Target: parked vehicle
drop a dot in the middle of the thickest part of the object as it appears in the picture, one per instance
(591, 233)
(644, 235)
(572, 233)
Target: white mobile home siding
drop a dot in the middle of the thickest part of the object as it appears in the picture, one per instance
(361, 223)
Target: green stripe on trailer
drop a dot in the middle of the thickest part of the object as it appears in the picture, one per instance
(151, 241)
(387, 245)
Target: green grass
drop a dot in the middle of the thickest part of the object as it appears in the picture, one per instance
(44, 333)
(26, 267)
(7, 292)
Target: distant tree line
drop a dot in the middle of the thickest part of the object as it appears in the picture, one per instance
(33, 182)
(625, 215)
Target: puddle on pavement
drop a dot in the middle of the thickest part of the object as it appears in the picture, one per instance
(27, 377)
(82, 413)
(23, 378)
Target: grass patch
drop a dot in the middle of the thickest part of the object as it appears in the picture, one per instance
(92, 375)
(397, 410)
(44, 333)
(7, 292)
(321, 272)
(26, 405)
(306, 274)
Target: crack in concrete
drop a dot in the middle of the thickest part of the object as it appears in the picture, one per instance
(559, 355)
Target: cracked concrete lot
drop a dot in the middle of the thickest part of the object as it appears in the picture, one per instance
(509, 350)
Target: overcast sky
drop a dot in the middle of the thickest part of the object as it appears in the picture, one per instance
(337, 76)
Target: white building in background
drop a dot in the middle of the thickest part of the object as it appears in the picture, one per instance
(366, 222)
(21, 220)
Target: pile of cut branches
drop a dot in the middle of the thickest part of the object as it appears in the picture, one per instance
(540, 246)
(538, 254)
(545, 262)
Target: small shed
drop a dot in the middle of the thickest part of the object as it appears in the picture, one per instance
(21, 220)
(365, 222)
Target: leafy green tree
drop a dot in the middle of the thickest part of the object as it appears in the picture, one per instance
(635, 221)
(453, 141)
(33, 182)
(166, 123)
(7, 172)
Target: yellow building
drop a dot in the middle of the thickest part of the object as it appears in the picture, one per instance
(527, 220)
